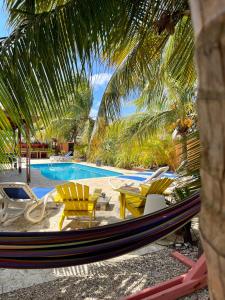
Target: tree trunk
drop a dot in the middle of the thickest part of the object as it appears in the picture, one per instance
(209, 25)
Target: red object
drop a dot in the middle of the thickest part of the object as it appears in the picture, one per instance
(35, 145)
(188, 283)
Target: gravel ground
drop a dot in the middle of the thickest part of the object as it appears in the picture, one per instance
(112, 280)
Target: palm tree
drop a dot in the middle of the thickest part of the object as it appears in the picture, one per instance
(149, 65)
(76, 119)
(52, 50)
(46, 47)
(164, 103)
(69, 47)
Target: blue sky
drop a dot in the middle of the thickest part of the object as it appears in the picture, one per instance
(4, 30)
(100, 78)
(100, 75)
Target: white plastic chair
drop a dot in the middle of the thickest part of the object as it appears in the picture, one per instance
(137, 178)
(21, 199)
(65, 157)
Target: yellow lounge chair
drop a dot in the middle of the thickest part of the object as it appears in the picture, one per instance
(77, 201)
(134, 199)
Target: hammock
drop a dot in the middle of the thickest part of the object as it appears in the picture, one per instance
(37, 250)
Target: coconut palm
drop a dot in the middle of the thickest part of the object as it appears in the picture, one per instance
(58, 49)
(174, 110)
(46, 47)
(146, 66)
(76, 119)
(52, 50)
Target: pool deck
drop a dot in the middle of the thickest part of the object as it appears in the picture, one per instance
(50, 222)
(15, 279)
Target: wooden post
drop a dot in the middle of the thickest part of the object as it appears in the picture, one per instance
(19, 152)
(28, 154)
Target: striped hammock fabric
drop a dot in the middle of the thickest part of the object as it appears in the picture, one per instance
(39, 250)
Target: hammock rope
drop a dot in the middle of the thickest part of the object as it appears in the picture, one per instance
(37, 250)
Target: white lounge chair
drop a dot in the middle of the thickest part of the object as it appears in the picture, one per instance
(137, 178)
(65, 157)
(19, 198)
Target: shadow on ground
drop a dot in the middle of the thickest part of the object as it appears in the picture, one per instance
(105, 280)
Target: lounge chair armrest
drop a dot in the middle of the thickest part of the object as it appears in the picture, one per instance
(144, 188)
(57, 198)
(130, 192)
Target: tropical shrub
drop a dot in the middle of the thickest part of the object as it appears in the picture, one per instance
(112, 149)
(80, 151)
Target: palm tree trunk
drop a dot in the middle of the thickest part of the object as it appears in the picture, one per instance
(209, 20)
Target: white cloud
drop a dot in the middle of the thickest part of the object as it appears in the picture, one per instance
(93, 113)
(100, 79)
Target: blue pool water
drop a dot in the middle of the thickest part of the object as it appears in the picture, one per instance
(71, 171)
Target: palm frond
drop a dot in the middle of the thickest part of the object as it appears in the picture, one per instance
(150, 62)
(74, 118)
(54, 41)
(179, 54)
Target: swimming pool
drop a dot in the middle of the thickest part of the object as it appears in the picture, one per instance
(71, 171)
